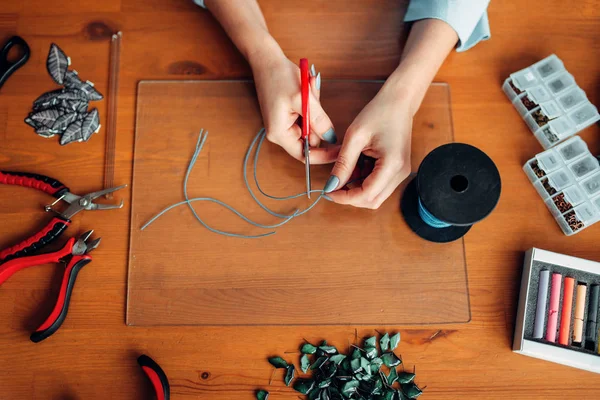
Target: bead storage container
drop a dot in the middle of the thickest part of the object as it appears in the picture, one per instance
(549, 100)
(567, 177)
(533, 313)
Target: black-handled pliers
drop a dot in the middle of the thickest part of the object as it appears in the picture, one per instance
(157, 377)
(61, 221)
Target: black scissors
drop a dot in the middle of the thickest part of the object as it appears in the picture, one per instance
(8, 67)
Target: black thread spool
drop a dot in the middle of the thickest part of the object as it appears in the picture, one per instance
(458, 185)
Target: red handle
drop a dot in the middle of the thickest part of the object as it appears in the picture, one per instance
(10, 267)
(304, 90)
(51, 232)
(34, 181)
(59, 313)
(157, 377)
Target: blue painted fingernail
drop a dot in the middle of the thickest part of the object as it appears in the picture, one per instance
(327, 198)
(331, 184)
(329, 136)
(313, 71)
(318, 82)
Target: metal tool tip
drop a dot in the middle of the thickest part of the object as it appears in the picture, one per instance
(87, 235)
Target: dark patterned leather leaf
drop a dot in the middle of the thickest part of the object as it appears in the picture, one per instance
(46, 117)
(91, 124)
(64, 121)
(91, 92)
(45, 132)
(32, 123)
(72, 134)
(72, 94)
(57, 64)
(72, 80)
(48, 99)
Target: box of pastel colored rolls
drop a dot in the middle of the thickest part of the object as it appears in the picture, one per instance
(559, 303)
(549, 100)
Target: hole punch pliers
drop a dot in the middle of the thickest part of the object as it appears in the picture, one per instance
(61, 220)
(304, 91)
(75, 255)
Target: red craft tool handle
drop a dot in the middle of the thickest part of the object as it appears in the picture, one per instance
(48, 234)
(9, 268)
(34, 181)
(157, 376)
(304, 90)
(59, 313)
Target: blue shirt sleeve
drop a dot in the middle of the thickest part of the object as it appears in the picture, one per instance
(467, 17)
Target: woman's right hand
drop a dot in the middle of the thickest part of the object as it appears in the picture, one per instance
(277, 82)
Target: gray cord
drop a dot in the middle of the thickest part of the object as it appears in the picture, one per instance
(287, 218)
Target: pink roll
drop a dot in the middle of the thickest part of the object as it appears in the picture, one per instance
(553, 309)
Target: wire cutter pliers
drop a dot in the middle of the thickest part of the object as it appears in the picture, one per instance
(157, 377)
(75, 255)
(61, 221)
(304, 90)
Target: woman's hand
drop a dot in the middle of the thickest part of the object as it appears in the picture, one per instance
(382, 130)
(278, 86)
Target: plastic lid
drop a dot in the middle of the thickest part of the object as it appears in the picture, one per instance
(592, 185)
(585, 115)
(572, 148)
(549, 66)
(562, 126)
(574, 195)
(584, 166)
(551, 109)
(524, 79)
(572, 98)
(548, 160)
(539, 94)
(560, 83)
(560, 179)
(587, 213)
(596, 202)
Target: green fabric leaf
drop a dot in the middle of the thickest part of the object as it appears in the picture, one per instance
(315, 394)
(376, 388)
(308, 348)
(324, 395)
(262, 395)
(390, 360)
(370, 342)
(392, 377)
(337, 359)
(328, 349)
(304, 385)
(324, 383)
(356, 354)
(349, 388)
(289, 375)
(406, 377)
(278, 362)
(384, 342)
(355, 365)
(376, 364)
(304, 363)
(330, 370)
(317, 364)
(411, 390)
(394, 341)
(365, 365)
(371, 352)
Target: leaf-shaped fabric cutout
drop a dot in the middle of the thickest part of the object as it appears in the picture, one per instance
(390, 360)
(330, 371)
(45, 132)
(317, 364)
(356, 353)
(392, 377)
(324, 395)
(46, 117)
(289, 374)
(389, 394)
(304, 385)
(337, 358)
(365, 365)
(376, 364)
(394, 341)
(370, 342)
(72, 80)
(328, 349)
(406, 377)
(384, 342)
(371, 352)
(32, 123)
(73, 133)
(304, 363)
(91, 92)
(411, 390)
(349, 388)
(71, 94)
(278, 362)
(90, 124)
(355, 365)
(80, 106)
(308, 348)
(315, 394)
(47, 99)
(57, 64)
(64, 121)
(262, 395)
(376, 388)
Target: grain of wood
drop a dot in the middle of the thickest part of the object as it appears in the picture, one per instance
(93, 357)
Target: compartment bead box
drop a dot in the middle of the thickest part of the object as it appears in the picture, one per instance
(567, 177)
(550, 102)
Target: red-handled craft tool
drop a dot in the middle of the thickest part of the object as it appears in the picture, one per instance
(157, 377)
(305, 92)
(61, 221)
(74, 254)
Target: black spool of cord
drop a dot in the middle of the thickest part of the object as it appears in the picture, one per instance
(457, 185)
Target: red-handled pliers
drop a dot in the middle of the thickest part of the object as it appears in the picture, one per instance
(74, 254)
(304, 91)
(157, 377)
(61, 221)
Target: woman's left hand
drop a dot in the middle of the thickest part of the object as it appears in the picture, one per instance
(383, 131)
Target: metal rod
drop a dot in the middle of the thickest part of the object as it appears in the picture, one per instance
(111, 129)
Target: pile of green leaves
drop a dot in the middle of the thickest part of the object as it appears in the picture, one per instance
(370, 372)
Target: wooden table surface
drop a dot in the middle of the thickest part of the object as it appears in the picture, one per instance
(93, 356)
